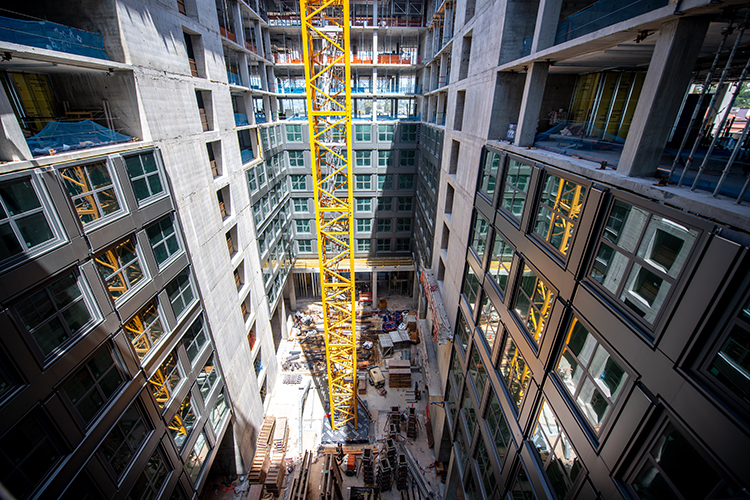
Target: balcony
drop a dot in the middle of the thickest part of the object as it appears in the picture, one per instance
(404, 59)
(52, 36)
(227, 34)
(602, 14)
(234, 78)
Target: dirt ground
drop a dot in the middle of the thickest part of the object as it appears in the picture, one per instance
(303, 357)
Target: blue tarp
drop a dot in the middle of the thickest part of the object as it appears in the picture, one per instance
(72, 135)
(52, 36)
(247, 155)
(240, 119)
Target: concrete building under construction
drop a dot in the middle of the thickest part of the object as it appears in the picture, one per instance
(555, 187)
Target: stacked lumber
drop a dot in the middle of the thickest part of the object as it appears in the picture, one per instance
(299, 484)
(259, 466)
(399, 373)
(276, 466)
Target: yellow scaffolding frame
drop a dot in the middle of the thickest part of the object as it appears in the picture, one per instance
(325, 41)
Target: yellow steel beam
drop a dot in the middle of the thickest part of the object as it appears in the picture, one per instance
(325, 41)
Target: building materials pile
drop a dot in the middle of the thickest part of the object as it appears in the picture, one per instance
(259, 467)
(399, 373)
(411, 424)
(330, 487)
(299, 484)
(276, 468)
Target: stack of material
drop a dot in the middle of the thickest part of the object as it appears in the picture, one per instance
(391, 450)
(399, 373)
(299, 485)
(330, 488)
(402, 471)
(411, 425)
(255, 492)
(276, 468)
(259, 467)
(385, 475)
(394, 418)
(367, 466)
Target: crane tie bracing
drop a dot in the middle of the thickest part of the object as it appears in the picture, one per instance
(325, 42)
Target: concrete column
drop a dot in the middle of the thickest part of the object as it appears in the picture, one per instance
(669, 74)
(448, 26)
(263, 77)
(441, 98)
(375, 12)
(13, 145)
(259, 41)
(237, 14)
(244, 71)
(374, 49)
(292, 292)
(546, 24)
(531, 103)
(374, 288)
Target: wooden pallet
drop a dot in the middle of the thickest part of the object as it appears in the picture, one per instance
(259, 467)
(276, 473)
(399, 373)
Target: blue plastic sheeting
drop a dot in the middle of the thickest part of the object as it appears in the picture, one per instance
(582, 132)
(52, 36)
(247, 155)
(72, 135)
(234, 78)
(240, 119)
(602, 14)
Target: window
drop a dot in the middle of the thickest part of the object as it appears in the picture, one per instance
(91, 190)
(362, 133)
(120, 268)
(124, 440)
(731, 364)
(363, 158)
(500, 262)
(144, 176)
(663, 247)
(152, 479)
(296, 158)
(489, 321)
(591, 375)
(486, 473)
(477, 372)
(364, 225)
(522, 487)
(385, 133)
(24, 226)
(207, 378)
(409, 132)
(469, 413)
(515, 188)
(219, 409)
(456, 370)
(558, 458)
(403, 225)
(533, 303)
(385, 182)
(384, 158)
(402, 244)
(514, 371)
(261, 174)
(463, 333)
(195, 339)
(294, 133)
(180, 292)
(479, 235)
(673, 468)
(27, 453)
(203, 99)
(363, 245)
(303, 225)
(364, 204)
(497, 426)
(407, 158)
(163, 239)
(404, 204)
(384, 204)
(304, 246)
(55, 313)
(165, 380)
(300, 205)
(198, 455)
(299, 182)
(406, 181)
(559, 207)
(470, 288)
(363, 181)
(183, 422)
(145, 329)
(384, 225)
(94, 385)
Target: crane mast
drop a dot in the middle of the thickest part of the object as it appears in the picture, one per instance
(325, 41)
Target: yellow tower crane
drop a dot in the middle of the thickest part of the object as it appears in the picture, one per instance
(325, 41)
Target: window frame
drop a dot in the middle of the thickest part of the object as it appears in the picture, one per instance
(383, 245)
(46, 207)
(301, 205)
(384, 225)
(362, 132)
(501, 186)
(203, 329)
(411, 204)
(187, 306)
(295, 133)
(122, 269)
(298, 182)
(159, 173)
(175, 233)
(145, 481)
(506, 380)
(483, 172)
(651, 331)
(535, 342)
(156, 387)
(384, 133)
(363, 182)
(116, 188)
(135, 449)
(308, 248)
(146, 333)
(385, 182)
(502, 290)
(361, 244)
(405, 182)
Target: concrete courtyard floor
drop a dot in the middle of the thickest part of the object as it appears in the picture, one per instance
(306, 427)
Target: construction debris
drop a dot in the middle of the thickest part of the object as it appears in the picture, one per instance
(299, 484)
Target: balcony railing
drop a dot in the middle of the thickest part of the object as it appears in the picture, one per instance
(384, 88)
(407, 59)
(260, 117)
(234, 78)
(602, 14)
(227, 34)
(240, 119)
(52, 36)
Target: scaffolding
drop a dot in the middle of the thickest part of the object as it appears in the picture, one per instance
(325, 40)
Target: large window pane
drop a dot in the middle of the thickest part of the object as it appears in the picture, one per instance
(500, 262)
(23, 223)
(515, 188)
(94, 385)
(120, 268)
(183, 422)
(559, 208)
(479, 235)
(144, 176)
(164, 240)
(180, 292)
(165, 380)
(91, 189)
(145, 329)
(490, 172)
(533, 303)
(514, 371)
(470, 287)
(197, 458)
(124, 440)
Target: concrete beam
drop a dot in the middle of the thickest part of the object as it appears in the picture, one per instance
(13, 145)
(531, 104)
(547, 19)
(669, 74)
